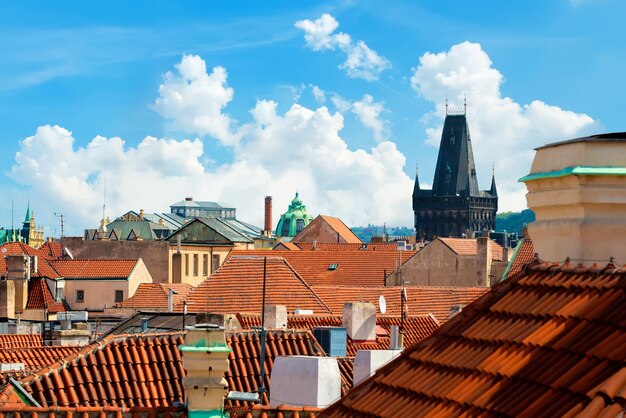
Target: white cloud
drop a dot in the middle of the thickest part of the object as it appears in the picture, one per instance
(318, 94)
(192, 100)
(502, 130)
(361, 61)
(276, 154)
(368, 112)
(340, 103)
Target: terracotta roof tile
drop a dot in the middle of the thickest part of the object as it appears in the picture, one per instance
(145, 371)
(355, 268)
(524, 255)
(548, 342)
(128, 371)
(39, 297)
(468, 246)
(416, 328)
(155, 295)
(340, 246)
(335, 223)
(20, 340)
(18, 248)
(236, 287)
(52, 249)
(95, 268)
(36, 358)
(286, 246)
(421, 300)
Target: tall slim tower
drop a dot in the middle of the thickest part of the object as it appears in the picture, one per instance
(455, 206)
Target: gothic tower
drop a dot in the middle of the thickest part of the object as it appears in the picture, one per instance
(455, 206)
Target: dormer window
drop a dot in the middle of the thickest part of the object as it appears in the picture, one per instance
(333, 266)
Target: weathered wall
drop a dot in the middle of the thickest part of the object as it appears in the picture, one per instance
(195, 274)
(155, 254)
(140, 274)
(438, 265)
(98, 294)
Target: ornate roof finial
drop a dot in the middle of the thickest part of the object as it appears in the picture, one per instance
(464, 104)
(417, 169)
(493, 169)
(446, 105)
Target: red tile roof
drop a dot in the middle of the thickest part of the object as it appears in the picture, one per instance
(421, 300)
(416, 328)
(335, 223)
(524, 255)
(286, 246)
(155, 295)
(341, 246)
(20, 340)
(36, 358)
(18, 248)
(545, 343)
(52, 249)
(237, 287)
(354, 268)
(130, 371)
(39, 297)
(71, 269)
(282, 411)
(469, 246)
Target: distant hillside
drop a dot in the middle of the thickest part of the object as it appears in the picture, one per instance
(513, 221)
(365, 233)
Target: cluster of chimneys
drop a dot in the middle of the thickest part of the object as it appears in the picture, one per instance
(296, 380)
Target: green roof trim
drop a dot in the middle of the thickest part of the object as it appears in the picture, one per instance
(508, 267)
(580, 170)
(213, 413)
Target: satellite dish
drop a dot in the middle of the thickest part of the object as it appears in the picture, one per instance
(68, 253)
(382, 304)
(4, 251)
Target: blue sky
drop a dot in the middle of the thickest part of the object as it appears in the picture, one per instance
(533, 72)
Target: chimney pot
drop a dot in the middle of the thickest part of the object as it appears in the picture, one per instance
(268, 214)
(360, 320)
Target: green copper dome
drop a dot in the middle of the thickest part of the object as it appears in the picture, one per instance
(294, 220)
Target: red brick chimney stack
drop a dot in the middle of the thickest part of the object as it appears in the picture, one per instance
(268, 214)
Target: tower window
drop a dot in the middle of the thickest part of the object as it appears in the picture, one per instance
(284, 231)
(299, 225)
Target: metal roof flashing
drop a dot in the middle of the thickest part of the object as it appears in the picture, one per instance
(576, 171)
(608, 137)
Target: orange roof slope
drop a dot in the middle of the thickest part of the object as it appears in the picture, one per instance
(155, 295)
(524, 255)
(129, 371)
(237, 287)
(469, 246)
(421, 300)
(336, 225)
(343, 246)
(18, 248)
(543, 344)
(353, 268)
(20, 340)
(39, 297)
(36, 358)
(52, 249)
(416, 328)
(94, 269)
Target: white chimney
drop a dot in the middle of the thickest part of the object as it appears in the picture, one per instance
(367, 362)
(305, 380)
(275, 316)
(359, 318)
(577, 190)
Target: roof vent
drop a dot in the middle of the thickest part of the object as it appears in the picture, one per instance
(333, 266)
(189, 199)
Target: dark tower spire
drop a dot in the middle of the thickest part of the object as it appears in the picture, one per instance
(493, 191)
(455, 173)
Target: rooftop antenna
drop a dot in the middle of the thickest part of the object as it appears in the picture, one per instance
(263, 331)
(104, 197)
(12, 226)
(61, 216)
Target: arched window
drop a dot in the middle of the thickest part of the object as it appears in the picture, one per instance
(299, 225)
(285, 229)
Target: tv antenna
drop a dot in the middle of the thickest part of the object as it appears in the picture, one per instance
(61, 217)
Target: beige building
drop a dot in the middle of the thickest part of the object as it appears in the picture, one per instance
(200, 246)
(94, 285)
(454, 262)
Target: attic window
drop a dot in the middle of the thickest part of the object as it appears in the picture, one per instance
(333, 266)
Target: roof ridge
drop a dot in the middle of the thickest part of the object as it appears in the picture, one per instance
(306, 284)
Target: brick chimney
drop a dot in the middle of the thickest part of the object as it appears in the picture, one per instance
(268, 215)
(18, 271)
(205, 358)
(359, 318)
(577, 189)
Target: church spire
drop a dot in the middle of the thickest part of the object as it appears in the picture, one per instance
(493, 191)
